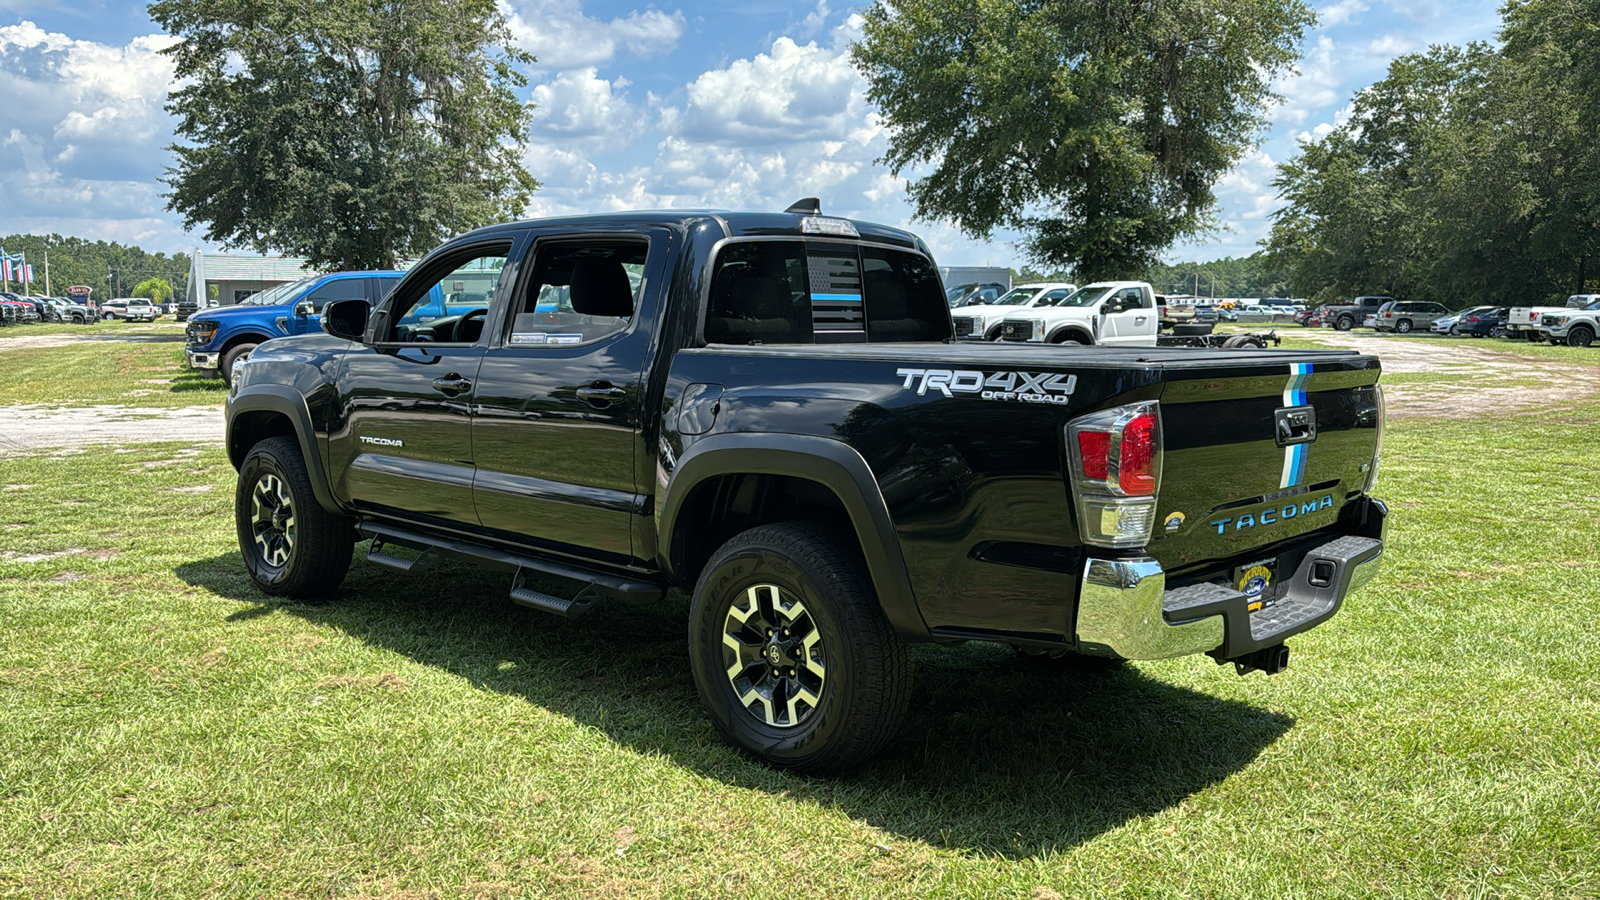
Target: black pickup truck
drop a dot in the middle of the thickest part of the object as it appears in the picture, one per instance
(770, 411)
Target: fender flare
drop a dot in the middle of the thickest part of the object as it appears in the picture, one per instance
(1069, 329)
(830, 463)
(288, 402)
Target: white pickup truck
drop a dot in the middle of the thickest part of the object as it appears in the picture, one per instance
(980, 321)
(1573, 327)
(1522, 323)
(1114, 313)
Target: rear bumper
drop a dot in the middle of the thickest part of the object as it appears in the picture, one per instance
(1125, 609)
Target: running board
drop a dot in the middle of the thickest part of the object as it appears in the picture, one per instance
(592, 586)
(586, 599)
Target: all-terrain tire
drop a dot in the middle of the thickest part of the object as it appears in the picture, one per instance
(292, 547)
(233, 355)
(1580, 336)
(867, 685)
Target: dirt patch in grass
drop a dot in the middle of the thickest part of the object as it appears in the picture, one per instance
(1479, 379)
(35, 427)
(387, 680)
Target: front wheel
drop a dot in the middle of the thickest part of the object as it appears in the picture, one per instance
(292, 547)
(793, 658)
(231, 357)
(1580, 336)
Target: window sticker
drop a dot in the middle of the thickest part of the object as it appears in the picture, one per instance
(565, 338)
(529, 337)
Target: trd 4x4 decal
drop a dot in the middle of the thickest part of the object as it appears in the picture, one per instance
(1026, 387)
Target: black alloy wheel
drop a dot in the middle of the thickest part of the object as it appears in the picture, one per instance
(793, 658)
(1580, 336)
(292, 547)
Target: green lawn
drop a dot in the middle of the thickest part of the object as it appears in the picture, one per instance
(143, 369)
(166, 731)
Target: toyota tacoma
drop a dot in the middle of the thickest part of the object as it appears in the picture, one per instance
(770, 411)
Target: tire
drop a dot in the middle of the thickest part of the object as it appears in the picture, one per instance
(1344, 323)
(1580, 336)
(1243, 342)
(1403, 326)
(109, 317)
(233, 355)
(292, 547)
(857, 670)
(1071, 337)
(1455, 331)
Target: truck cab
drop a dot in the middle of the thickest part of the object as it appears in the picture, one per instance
(980, 320)
(216, 339)
(1109, 313)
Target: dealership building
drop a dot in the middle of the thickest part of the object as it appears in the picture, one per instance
(237, 276)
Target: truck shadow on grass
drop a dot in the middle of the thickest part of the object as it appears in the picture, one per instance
(997, 756)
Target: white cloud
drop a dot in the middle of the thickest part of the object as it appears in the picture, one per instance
(1316, 85)
(792, 93)
(1339, 13)
(86, 134)
(1391, 45)
(580, 105)
(562, 37)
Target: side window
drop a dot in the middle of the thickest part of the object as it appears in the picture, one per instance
(1051, 298)
(338, 289)
(450, 302)
(903, 302)
(579, 291)
(382, 286)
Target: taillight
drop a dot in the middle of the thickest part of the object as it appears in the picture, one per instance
(1116, 473)
(1377, 447)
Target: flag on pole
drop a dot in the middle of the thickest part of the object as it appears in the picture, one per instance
(7, 267)
(27, 269)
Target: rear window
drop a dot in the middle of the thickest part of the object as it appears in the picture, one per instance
(814, 292)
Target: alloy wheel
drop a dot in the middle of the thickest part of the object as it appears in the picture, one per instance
(774, 656)
(272, 520)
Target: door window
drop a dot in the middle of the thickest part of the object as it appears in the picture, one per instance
(338, 289)
(579, 292)
(449, 302)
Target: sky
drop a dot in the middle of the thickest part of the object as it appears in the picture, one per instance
(725, 104)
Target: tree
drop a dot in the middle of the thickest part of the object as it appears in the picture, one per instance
(351, 132)
(157, 289)
(1095, 127)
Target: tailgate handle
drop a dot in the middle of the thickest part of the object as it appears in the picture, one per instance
(1296, 425)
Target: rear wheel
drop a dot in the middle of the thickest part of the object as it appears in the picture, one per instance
(1403, 326)
(233, 355)
(793, 658)
(1580, 336)
(1344, 323)
(292, 547)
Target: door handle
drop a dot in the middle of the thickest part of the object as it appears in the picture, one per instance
(1139, 320)
(601, 395)
(452, 385)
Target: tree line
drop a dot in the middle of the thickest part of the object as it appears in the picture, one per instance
(1467, 175)
(111, 269)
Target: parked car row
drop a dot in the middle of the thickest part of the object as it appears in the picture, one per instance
(1576, 324)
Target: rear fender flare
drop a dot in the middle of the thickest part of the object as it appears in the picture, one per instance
(830, 463)
(287, 402)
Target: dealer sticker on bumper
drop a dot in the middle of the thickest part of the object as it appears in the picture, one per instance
(1255, 581)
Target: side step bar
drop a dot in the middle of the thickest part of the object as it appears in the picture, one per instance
(592, 586)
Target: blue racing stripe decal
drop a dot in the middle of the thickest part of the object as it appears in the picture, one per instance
(1294, 455)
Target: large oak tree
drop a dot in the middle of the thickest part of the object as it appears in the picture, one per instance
(1096, 127)
(352, 132)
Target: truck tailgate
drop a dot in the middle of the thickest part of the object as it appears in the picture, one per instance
(1257, 456)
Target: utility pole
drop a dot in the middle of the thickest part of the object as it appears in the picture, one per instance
(47, 271)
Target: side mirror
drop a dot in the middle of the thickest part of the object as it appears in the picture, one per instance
(346, 318)
(303, 309)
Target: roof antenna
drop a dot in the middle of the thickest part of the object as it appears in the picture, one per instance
(807, 206)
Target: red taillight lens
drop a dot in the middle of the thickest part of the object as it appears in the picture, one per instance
(1138, 475)
(1094, 448)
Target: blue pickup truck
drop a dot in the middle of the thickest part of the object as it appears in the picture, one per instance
(218, 338)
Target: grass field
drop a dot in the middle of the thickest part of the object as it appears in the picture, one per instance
(147, 371)
(166, 731)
